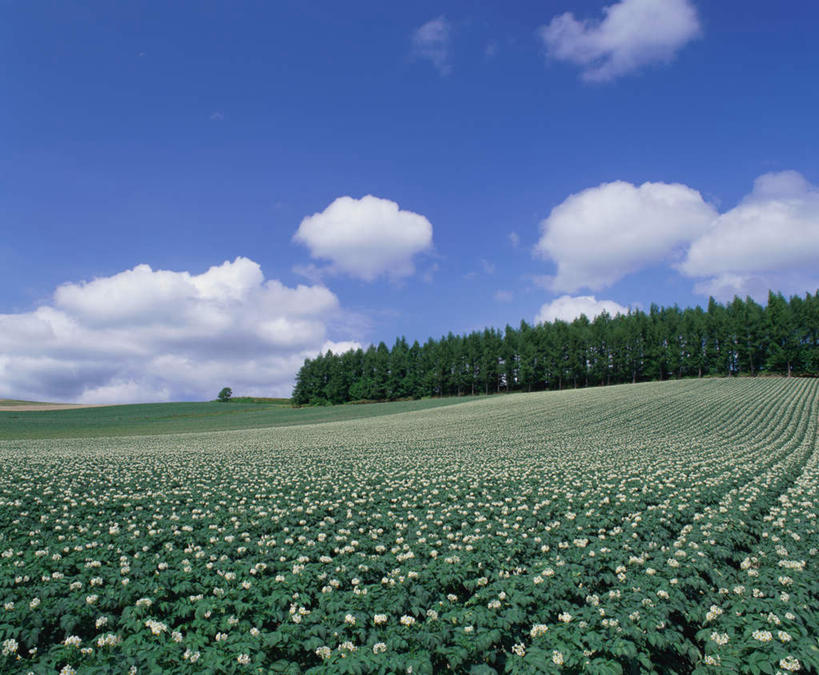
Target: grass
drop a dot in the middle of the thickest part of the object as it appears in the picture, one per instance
(260, 399)
(173, 418)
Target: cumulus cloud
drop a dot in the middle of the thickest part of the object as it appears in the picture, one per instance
(153, 335)
(431, 42)
(789, 282)
(366, 237)
(631, 34)
(601, 234)
(770, 240)
(771, 236)
(568, 308)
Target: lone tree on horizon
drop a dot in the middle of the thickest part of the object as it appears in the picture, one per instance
(225, 394)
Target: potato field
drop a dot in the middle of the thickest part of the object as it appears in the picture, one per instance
(666, 527)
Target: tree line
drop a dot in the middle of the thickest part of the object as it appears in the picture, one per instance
(739, 338)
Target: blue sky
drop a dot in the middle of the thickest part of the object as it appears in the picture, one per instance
(180, 136)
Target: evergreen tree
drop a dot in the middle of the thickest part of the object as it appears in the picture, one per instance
(527, 357)
(399, 385)
(782, 342)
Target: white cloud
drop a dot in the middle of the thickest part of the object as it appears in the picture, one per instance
(153, 335)
(632, 34)
(568, 308)
(726, 286)
(124, 392)
(770, 240)
(514, 239)
(504, 296)
(366, 237)
(601, 234)
(789, 282)
(340, 347)
(431, 42)
(770, 237)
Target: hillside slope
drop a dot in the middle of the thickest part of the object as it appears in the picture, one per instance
(664, 527)
(172, 418)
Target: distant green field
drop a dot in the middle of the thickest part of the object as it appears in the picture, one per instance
(174, 418)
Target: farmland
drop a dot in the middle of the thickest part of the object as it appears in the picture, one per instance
(666, 527)
(149, 419)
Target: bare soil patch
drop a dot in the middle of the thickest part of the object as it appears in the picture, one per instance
(24, 406)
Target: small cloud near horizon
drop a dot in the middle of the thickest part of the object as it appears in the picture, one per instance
(568, 308)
